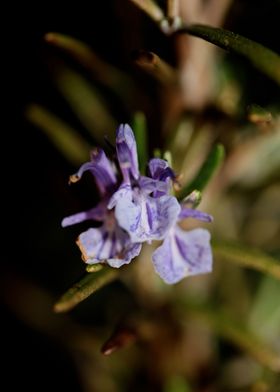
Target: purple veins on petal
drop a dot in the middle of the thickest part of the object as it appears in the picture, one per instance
(146, 218)
(195, 214)
(97, 213)
(127, 152)
(150, 185)
(183, 253)
(112, 247)
(129, 252)
(160, 170)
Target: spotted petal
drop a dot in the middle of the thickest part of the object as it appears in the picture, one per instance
(183, 253)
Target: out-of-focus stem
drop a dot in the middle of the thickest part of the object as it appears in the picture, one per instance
(245, 257)
(238, 335)
(172, 8)
(107, 74)
(150, 8)
(67, 140)
(86, 102)
(155, 66)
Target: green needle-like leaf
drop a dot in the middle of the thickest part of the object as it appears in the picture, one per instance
(208, 169)
(261, 57)
(90, 283)
(140, 132)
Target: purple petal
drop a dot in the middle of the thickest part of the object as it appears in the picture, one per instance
(128, 253)
(97, 213)
(111, 247)
(160, 170)
(195, 214)
(149, 185)
(183, 253)
(124, 191)
(90, 243)
(102, 170)
(146, 218)
(127, 152)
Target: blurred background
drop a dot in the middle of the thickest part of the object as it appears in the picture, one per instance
(182, 337)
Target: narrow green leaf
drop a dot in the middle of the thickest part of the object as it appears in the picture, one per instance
(207, 171)
(72, 146)
(251, 258)
(141, 136)
(261, 57)
(90, 283)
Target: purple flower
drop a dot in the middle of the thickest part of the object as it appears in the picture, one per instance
(108, 243)
(184, 253)
(136, 209)
(142, 205)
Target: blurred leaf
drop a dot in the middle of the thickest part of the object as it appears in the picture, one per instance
(121, 337)
(245, 257)
(150, 8)
(155, 66)
(90, 283)
(86, 102)
(105, 73)
(141, 135)
(252, 162)
(72, 146)
(176, 384)
(258, 115)
(157, 153)
(237, 334)
(207, 171)
(264, 319)
(167, 156)
(94, 267)
(261, 57)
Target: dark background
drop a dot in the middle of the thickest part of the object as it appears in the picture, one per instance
(38, 197)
